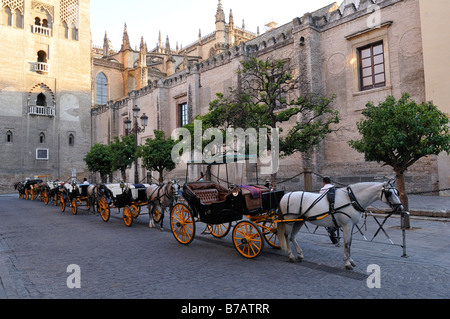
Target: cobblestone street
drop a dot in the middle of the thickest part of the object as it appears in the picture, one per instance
(38, 243)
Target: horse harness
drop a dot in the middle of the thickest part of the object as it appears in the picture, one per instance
(330, 194)
(158, 197)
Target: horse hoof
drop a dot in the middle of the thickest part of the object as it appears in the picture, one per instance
(292, 259)
(161, 229)
(300, 259)
(348, 267)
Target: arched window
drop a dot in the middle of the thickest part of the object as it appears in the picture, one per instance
(7, 16)
(65, 30)
(9, 137)
(41, 100)
(37, 21)
(42, 56)
(18, 19)
(71, 140)
(42, 138)
(102, 89)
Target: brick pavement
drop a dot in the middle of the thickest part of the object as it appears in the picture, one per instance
(38, 242)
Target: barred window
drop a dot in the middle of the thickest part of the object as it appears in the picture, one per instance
(183, 117)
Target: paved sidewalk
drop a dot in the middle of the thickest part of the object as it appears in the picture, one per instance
(430, 206)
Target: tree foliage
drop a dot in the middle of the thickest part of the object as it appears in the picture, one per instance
(123, 152)
(398, 133)
(156, 154)
(269, 95)
(99, 159)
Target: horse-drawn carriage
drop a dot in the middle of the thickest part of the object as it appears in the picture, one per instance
(129, 197)
(75, 194)
(28, 189)
(252, 207)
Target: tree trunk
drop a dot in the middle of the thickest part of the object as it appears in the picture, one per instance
(403, 196)
(124, 176)
(273, 180)
(161, 177)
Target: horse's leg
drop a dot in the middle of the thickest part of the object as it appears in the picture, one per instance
(347, 230)
(151, 223)
(284, 235)
(163, 209)
(295, 230)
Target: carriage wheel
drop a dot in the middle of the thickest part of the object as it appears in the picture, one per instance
(56, 199)
(74, 206)
(26, 194)
(135, 211)
(270, 234)
(156, 215)
(46, 197)
(103, 208)
(128, 215)
(247, 239)
(62, 202)
(220, 230)
(182, 224)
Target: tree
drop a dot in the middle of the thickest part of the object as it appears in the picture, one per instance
(99, 159)
(261, 101)
(399, 133)
(156, 154)
(123, 153)
(267, 85)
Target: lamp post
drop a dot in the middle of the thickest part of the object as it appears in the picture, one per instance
(136, 130)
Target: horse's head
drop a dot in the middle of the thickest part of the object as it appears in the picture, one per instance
(174, 187)
(391, 196)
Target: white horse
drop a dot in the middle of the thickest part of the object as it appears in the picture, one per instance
(350, 202)
(160, 197)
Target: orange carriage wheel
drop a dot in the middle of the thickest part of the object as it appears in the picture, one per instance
(220, 230)
(128, 216)
(247, 239)
(62, 202)
(270, 234)
(46, 197)
(74, 206)
(103, 208)
(182, 224)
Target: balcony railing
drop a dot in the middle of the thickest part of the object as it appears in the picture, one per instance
(41, 110)
(41, 67)
(42, 30)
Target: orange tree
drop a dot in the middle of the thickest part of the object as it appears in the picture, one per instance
(398, 133)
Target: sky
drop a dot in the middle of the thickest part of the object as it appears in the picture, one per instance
(182, 19)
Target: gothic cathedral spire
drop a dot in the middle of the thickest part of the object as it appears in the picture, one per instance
(125, 40)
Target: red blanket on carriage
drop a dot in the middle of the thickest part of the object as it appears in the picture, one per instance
(254, 191)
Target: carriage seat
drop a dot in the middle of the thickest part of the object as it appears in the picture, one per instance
(208, 192)
(207, 196)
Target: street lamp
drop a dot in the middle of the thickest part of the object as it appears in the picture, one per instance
(136, 130)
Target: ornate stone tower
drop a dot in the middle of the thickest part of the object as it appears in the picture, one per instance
(45, 88)
(221, 35)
